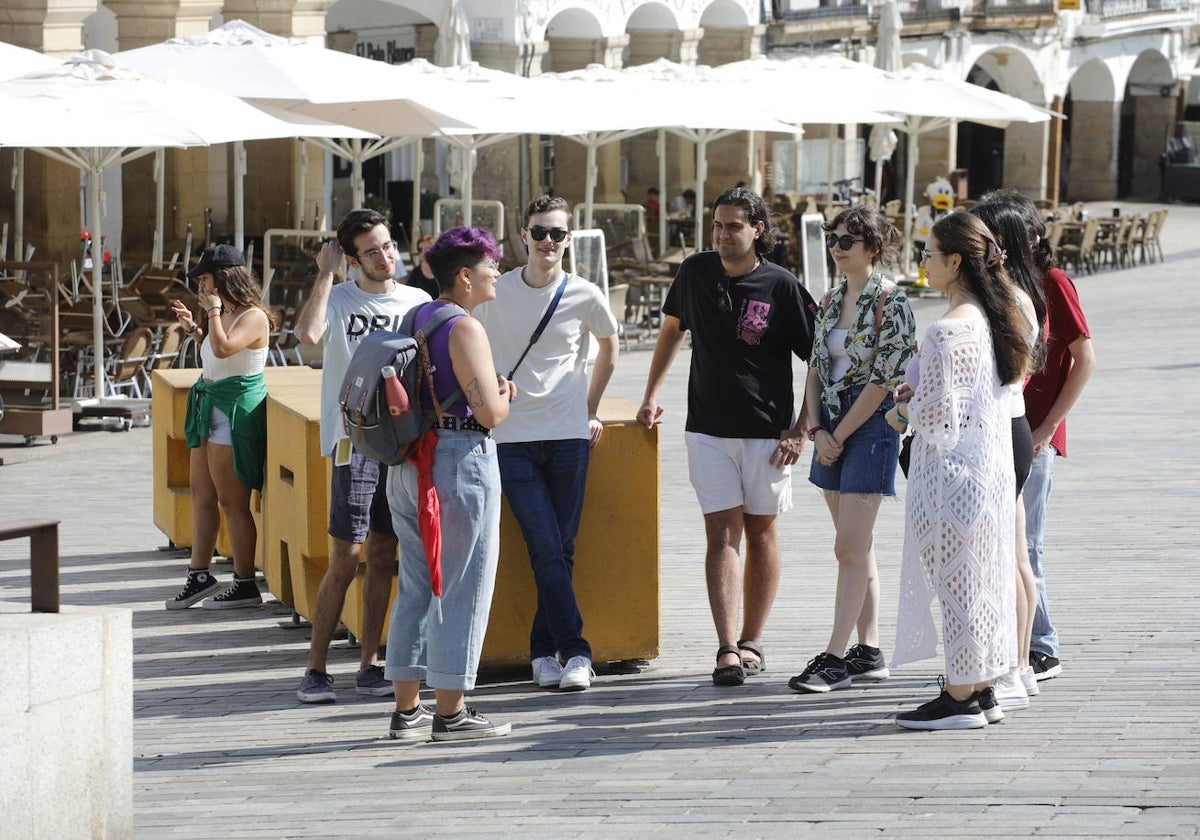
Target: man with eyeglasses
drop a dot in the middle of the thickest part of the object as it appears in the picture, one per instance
(544, 446)
(342, 315)
(747, 317)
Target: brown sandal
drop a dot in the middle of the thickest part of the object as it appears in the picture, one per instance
(728, 674)
(752, 666)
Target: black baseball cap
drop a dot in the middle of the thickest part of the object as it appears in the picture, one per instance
(222, 256)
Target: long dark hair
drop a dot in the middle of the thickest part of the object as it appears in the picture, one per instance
(1009, 225)
(982, 271)
(238, 285)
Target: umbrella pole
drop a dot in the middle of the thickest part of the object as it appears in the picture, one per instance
(661, 148)
(910, 177)
(590, 187)
(414, 232)
(832, 140)
(301, 196)
(94, 175)
(469, 183)
(358, 192)
(701, 177)
(19, 204)
(239, 195)
(156, 256)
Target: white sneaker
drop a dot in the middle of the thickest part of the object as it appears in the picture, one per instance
(1030, 680)
(577, 676)
(1010, 691)
(547, 672)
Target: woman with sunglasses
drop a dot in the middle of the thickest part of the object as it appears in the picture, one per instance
(865, 335)
(959, 515)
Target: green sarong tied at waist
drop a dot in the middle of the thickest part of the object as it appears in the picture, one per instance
(244, 400)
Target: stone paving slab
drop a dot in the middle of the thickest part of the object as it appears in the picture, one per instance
(1112, 747)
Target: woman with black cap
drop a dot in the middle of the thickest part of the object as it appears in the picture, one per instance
(226, 424)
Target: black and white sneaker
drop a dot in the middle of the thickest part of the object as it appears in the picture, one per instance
(944, 713)
(242, 593)
(825, 672)
(412, 725)
(989, 705)
(467, 725)
(866, 663)
(1045, 666)
(200, 584)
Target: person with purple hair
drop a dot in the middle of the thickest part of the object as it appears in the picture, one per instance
(440, 641)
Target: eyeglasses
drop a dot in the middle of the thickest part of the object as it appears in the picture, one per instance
(539, 233)
(375, 253)
(926, 254)
(845, 241)
(724, 302)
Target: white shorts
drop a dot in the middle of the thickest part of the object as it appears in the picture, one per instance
(737, 472)
(219, 430)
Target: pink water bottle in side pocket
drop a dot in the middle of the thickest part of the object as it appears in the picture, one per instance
(397, 399)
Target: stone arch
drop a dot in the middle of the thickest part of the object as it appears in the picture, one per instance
(576, 22)
(1146, 123)
(725, 14)
(1014, 157)
(1088, 154)
(1093, 81)
(653, 15)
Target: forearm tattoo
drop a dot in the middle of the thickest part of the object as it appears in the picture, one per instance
(474, 394)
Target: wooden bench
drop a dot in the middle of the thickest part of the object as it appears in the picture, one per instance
(43, 560)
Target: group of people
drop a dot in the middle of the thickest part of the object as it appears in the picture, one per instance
(528, 332)
(517, 348)
(982, 400)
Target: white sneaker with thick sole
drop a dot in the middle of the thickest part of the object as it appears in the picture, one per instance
(577, 675)
(547, 672)
(1010, 691)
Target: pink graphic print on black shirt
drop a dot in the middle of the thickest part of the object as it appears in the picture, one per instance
(753, 322)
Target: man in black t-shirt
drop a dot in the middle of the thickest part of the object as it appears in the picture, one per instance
(747, 318)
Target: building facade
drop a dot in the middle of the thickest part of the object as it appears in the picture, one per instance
(1120, 71)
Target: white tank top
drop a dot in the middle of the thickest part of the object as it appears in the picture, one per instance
(242, 363)
(838, 356)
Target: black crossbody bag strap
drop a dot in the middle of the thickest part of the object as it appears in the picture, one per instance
(537, 333)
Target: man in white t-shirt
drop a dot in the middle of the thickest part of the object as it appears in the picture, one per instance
(545, 444)
(358, 506)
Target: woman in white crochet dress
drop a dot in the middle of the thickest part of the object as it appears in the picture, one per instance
(958, 536)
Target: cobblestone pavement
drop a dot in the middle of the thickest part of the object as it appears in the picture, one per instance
(1111, 747)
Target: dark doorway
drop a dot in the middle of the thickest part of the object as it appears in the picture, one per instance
(981, 147)
(1125, 132)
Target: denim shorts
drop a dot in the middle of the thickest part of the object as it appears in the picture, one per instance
(868, 462)
(358, 500)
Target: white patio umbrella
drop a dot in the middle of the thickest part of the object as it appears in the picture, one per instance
(882, 141)
(17, 61)
(93, 114)
(453, 46)
(927, 100)
(245, 61)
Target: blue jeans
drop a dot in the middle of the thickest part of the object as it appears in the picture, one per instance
(544, 484)
(1037, 496)
(444, 650)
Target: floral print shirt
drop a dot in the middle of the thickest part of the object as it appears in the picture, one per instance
(878, 359)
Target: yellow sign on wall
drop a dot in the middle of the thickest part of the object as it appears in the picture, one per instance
(1068, 5)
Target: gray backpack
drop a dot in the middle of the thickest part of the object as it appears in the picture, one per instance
(373, 430)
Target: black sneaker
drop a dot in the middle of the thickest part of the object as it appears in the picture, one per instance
(866, 663)
(200, 584)
(412, 725)
(825, 672)
(242, 593)
(944, 713)
(989, 705)
(1045, 666)
(467, 725)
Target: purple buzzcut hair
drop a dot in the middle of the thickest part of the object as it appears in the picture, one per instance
(456, 248)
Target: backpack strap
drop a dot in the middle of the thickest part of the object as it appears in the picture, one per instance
(443, 316)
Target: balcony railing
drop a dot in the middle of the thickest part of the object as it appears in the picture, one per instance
(1127, 8)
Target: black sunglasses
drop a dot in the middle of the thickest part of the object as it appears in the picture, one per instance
(539, 233)
(845, 241)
